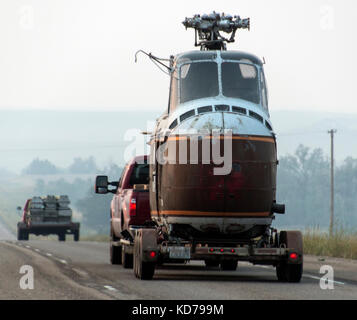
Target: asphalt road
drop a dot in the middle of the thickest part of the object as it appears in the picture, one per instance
(81, 270)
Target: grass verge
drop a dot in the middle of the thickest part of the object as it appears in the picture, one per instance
(95, 237)
(342, 244)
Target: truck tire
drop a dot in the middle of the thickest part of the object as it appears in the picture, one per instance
(115, 250)
(143, 270)
(61, 237)
(290, 272)
(25, 235)
(115, 254)
(229, 265)
(76, 235)
(19, 233)
(211, 263)
(22, 233)
(126, 259)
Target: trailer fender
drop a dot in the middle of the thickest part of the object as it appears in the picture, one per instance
(148, 244)
(292, 240)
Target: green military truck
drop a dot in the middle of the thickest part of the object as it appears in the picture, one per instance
(47, 215)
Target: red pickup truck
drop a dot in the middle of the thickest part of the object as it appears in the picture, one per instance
(129, 209)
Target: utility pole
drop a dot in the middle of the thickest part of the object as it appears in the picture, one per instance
(332, 132)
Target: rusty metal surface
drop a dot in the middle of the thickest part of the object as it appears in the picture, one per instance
(248, 190)
(292, 240)
(198, 203)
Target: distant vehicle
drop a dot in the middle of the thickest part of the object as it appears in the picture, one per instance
(129, 209)
(45, 216)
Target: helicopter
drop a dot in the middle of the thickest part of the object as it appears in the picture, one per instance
(213, 153)
(213, 163)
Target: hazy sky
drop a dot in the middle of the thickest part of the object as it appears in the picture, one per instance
(79, 54)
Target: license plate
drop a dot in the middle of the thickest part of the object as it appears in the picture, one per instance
(180, 253)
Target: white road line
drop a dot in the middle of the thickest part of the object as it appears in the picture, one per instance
(48, 254)
(28, 247)
(319, 278)
(110, 288)
(62, 261)
(37, 250)
(305, 275)
(80, 272)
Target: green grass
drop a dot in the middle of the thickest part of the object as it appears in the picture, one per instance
(342, 244)
(95, 237)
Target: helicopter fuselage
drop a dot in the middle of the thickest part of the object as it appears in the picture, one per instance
(213, 153)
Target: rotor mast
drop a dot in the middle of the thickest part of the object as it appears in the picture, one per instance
(208, 27)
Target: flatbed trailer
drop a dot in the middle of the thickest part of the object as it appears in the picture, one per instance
(45, 216)
(286, 254)
(45, 229)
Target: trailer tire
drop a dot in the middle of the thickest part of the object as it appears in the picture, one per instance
(143, 270)
(290, 272)
(62, 237)
(229, 265)
(126, 258)
(76, 235)
(281, 272)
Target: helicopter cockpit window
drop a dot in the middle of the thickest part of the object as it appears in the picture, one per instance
(240, 81)
(264, 91)
(198, 80)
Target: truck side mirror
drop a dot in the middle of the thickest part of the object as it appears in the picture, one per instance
(101, 184)
(19, 208)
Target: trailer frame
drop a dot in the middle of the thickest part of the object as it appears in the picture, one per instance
(287, 257)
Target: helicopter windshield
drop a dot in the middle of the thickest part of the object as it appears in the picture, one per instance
(198, 80)
(240, 80)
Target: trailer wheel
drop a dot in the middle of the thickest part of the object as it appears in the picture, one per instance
(76, 235)
(291, 272)
(229, 265)
(211, 263)
(143, 270)
(281, 272)
(126, 259)
(62, 236)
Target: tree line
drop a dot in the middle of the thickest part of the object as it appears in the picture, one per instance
(303, 184)
(45, 167)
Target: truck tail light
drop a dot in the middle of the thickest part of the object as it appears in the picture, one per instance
(132, 207)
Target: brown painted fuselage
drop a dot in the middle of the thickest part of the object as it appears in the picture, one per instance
(191, 194)
(186, 193)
